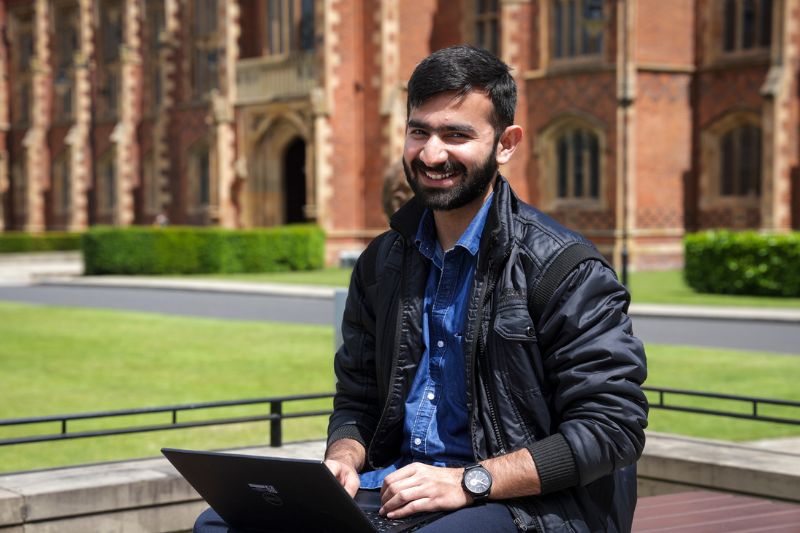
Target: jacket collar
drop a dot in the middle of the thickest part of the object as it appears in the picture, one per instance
(497, 234)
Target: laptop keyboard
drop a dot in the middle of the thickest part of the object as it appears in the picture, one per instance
(381, 523)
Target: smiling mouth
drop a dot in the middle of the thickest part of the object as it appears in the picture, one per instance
(439, 176)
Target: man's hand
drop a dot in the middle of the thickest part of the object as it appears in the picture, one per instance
(344, 458)
(345, 474)
(419, 487)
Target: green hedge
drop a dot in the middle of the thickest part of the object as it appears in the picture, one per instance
(726, 262)
(21, 242)
(186, 250)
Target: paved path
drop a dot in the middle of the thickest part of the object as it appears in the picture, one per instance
(756, 329)
(233, 306)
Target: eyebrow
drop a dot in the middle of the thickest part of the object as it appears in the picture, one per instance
(447, 128)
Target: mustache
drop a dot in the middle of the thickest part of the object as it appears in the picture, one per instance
(445, 168)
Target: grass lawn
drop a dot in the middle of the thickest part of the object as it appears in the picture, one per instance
(60, 360)
(762, 375)
(666, 287)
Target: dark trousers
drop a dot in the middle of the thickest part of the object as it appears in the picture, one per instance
(487, 518)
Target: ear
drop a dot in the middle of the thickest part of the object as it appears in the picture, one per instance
(509, 140)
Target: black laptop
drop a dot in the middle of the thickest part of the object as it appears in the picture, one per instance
(253, 493)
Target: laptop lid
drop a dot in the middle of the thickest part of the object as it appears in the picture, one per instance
(254, 492)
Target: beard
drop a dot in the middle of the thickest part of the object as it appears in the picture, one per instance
(471, 186)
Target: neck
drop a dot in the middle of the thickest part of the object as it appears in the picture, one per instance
(451, 224)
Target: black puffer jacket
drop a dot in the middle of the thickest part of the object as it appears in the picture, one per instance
(565, 385)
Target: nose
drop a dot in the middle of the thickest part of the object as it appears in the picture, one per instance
(433, 153)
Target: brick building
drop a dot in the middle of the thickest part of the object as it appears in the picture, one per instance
(644, 119)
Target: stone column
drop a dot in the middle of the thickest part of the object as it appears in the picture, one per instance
(515, 17)
(223, 110)
(127, 153)
(779, 122)
(393, 90)
(323, 106)
(168, 44)
(37, 152)
(5, 119)
(81, 162)
(626, 120)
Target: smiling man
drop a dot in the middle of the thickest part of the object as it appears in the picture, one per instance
(454, 392)
(460, 388)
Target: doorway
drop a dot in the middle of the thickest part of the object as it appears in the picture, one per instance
(294, 181)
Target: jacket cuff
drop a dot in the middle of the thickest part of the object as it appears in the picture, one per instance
(555, 463)
(350, 431)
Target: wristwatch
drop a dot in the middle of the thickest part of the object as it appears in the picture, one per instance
(477, 482)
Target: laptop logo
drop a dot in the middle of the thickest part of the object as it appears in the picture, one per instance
(268, 493)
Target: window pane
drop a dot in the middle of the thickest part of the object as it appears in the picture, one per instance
(65, 185)
(750, 160)
(571, 27)
(25, 51)
(111, 185)
(481, 6)
(756, 185)
(205, 186)
(562, 167)
(727, 154)
(749, 24)
(765, 14)
(24, 102)
(558, 27)
(594, 166)
(730, 25)
(578, 170)
(495, 37)
(307, 25)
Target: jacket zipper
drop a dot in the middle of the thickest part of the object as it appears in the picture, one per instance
(518, 521)
(486, 366)
(395, 357)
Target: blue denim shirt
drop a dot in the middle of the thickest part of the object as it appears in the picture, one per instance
(436, 427)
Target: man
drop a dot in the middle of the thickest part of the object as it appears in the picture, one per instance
(443, 365)
(451, 394)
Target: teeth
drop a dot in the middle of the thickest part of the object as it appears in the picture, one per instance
(440, 176)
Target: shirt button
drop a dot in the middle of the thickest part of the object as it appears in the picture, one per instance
(440, 344)
(431, 396)
(418, 441)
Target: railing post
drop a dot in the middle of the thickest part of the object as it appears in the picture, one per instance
(275, 425)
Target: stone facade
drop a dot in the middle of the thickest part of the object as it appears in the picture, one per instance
(644, 119)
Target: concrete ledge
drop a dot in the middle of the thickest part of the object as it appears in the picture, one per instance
(150, 496)
(672, 463)
(146, 495)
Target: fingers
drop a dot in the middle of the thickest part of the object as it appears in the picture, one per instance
(418, 487)
(345, 475)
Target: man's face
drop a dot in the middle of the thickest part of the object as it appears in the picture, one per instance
(450, 150)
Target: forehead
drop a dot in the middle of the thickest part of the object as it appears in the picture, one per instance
(474, 108)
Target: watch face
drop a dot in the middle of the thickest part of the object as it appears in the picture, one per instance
(477, 481)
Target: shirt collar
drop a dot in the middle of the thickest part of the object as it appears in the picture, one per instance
(470, 240)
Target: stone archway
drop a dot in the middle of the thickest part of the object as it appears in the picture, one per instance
(275, 190)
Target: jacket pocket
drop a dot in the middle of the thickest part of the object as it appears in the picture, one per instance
(514, 323)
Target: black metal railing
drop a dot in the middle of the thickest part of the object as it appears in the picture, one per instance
(753, 405)
(275, 417)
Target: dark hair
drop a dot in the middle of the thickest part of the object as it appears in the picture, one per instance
(462, 69)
